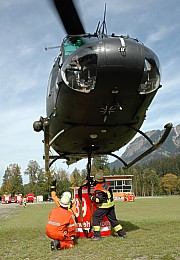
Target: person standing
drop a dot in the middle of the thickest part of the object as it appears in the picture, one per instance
(24, 202)
(61, 226)
(105, 207)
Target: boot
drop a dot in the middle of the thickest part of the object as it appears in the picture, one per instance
(55, 245)
(122, 233)
(52, 245)
(96, 236)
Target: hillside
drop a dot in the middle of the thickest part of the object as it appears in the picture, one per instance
(170, 148)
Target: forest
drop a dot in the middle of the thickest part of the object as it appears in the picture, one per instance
(157, 177)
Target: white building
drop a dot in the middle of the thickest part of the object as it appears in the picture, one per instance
(120, 183)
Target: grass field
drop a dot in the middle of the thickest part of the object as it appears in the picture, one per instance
(152, 225)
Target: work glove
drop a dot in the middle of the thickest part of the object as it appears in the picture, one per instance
(91, 197)
(53, 185)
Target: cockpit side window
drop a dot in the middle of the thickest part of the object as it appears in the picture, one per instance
(53, 78)
(151, 77)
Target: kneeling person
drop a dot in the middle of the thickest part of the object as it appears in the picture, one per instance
(61, 226)
(71, 207)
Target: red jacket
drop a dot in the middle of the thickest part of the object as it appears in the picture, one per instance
(61, 224)
(103, 195)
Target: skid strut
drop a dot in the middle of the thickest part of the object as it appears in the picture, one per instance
(153, 147)
(50, 159)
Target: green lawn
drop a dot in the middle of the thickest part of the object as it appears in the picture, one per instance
(152, 225)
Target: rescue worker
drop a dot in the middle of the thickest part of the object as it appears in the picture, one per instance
(24, 202)
(61, 226)
(72, 206)
(105, 207)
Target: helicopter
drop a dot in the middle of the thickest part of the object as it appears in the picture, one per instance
(99, 90)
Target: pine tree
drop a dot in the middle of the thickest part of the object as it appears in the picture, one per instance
(12, 180)
(6, 182)
(75, 178)
(16, 178)
(100, 164)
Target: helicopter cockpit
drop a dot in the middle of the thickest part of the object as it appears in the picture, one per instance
(79, 70)
(70, 44)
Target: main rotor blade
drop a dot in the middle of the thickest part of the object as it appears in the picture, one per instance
(69, 17)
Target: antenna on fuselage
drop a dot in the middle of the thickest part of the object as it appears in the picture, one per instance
(104, 28)
(97, 29)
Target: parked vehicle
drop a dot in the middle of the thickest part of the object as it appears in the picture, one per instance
(14, 199)
(19, 198)
(6, 199)
(30, 197)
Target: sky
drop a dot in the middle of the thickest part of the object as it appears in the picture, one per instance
(28, 26)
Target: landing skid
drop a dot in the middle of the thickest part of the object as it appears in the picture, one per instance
(49, 160)
(153, 147)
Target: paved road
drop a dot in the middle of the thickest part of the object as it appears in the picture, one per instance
(8, 206)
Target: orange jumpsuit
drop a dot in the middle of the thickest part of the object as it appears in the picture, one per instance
(61, 226)
(56, 200)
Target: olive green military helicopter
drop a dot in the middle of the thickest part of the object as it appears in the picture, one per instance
(99, 90)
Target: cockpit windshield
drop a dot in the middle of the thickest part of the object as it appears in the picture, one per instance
(80, 72)
(80, 68)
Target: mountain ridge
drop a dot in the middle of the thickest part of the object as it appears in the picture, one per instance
(170, 148)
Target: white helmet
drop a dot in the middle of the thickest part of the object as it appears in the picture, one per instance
(65, 201)
(67, 193)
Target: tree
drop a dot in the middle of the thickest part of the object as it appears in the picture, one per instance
(62, 181)
(6, 182)
(120, 171)
(33, 170)
(75, 178)
(169, 183)
(133, 171)
(164, 165)
(40, 183)
(100, 163)
(83, 175)
(17, 183)
(114, 171)
(178, 186)
(12, 180)
(152, 180)
(142, 179)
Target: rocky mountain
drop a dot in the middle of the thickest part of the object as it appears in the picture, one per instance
(170, 148)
